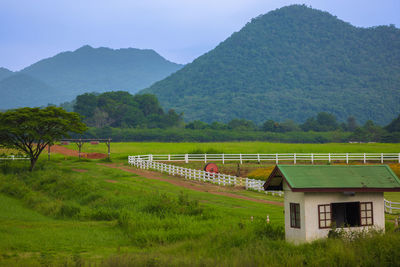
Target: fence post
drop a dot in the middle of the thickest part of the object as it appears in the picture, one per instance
(382, 158)
(312, 158)
(151, 157)
(276, 158)
(294, 158)
(169, 157)
(240, 158)
(365, 158)
(399, 157)
(347, 158)
(258, 157)
(223, 158)
(186, 158)
(205, 158)
(329, 157)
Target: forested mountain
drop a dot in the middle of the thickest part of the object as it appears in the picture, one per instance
(20, 90)
(291, 64)
(88, 69)
(102, 69)
(4, 73)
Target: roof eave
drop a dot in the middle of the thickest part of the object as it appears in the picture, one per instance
(345, 189)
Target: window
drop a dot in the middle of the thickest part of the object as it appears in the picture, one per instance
(325, 215)
(295, 215)
(366, 213)
(346, 214)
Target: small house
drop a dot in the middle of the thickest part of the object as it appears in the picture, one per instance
(319, 197)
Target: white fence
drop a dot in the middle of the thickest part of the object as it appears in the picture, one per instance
(12, 157)
(192, 174)
(390, 206)
(149, 162)
(279, 157)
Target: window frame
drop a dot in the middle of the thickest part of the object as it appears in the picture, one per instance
(295, 210)
(325, 219)
(366, 217)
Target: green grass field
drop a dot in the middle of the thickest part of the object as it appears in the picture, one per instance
(122, 150)
(79, 213)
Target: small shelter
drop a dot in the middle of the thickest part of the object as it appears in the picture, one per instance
(319, 197)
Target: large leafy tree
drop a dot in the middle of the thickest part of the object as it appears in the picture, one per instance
(32, 129)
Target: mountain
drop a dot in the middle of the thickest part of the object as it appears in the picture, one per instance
(4, 73)
(89, 69)
(291, 63)
(20, 90)
(86, 69)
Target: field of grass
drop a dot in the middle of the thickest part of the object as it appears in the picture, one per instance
(79, 213)
(122, 150)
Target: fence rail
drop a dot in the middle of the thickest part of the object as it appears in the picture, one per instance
(278, 157)
(199, 175)
(150, 162)
(390, 206)
(12, 157)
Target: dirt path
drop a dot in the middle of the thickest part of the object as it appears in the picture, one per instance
(190, 184)
(70, 152)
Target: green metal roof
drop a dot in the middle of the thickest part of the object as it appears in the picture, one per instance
(362, 177)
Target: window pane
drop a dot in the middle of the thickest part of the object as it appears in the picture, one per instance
(328, 216)
(362, 206)
(328, 223)
(368, 206)
(322, 216)
(363, 221)
(322, 223)
(328, 208)
(369, 214)
(363, 214)
(321, 209)
(369, 221)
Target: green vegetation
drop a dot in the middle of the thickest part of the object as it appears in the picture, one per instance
(32, 129)
(66, 75)
(210, 135)
(291, 64)
(121, 109)
(123, 150)
(71, 213)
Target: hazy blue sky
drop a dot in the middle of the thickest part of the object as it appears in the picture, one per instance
(179, 30)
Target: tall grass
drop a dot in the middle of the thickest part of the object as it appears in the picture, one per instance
(108, 217)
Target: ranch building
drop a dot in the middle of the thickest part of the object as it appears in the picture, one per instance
(319, 197)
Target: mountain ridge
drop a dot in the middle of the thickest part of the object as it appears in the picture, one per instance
(291, 63)
(85, 70)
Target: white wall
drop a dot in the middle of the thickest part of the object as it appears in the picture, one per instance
(294, 235)
(309, 221)
(312, 200)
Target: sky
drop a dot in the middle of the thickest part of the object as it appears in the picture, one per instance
(179, 30)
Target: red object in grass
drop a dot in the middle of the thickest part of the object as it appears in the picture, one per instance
(94, 142)
(211, 167)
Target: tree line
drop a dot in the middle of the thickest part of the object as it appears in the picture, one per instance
(126, 117)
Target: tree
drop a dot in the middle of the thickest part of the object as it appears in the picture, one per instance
(394, 126)
(242, 125)
(32, 129)
(351, 124)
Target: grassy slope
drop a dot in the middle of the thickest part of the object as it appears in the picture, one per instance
(91, 233)
(125, 223)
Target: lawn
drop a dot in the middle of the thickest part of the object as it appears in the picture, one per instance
(122, 150)
(69, 212)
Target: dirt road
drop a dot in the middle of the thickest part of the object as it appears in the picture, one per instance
(190, 184)
(73, 153)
